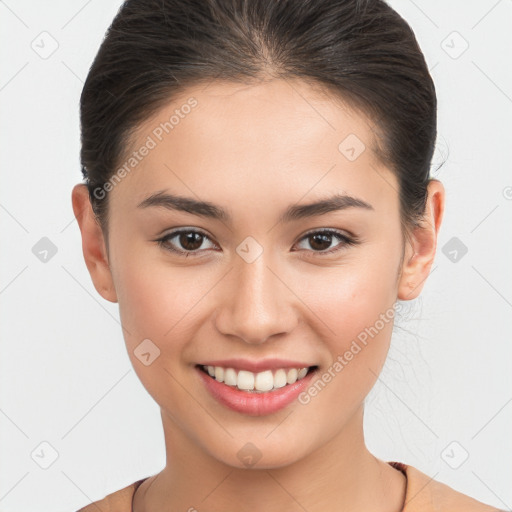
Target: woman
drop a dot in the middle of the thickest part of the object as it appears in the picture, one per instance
(258, 202)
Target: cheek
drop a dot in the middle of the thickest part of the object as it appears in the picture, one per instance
(157, 305)
(354, 314)
(358, 309)
(158, 302)
(352, 296)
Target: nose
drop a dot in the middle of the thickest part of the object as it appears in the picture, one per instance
(257, 302)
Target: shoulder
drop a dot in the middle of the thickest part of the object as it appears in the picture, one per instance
(118, 501)
(424, 494)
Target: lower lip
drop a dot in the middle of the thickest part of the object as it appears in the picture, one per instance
(255, 404)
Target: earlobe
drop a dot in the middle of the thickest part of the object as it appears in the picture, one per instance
(421, 248)
(93, 244)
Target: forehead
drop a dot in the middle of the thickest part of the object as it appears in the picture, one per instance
(279, 138)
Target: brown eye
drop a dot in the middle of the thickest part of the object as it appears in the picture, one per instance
(190, 240)
(187, 241)
(320, 241)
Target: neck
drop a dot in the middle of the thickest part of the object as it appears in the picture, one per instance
(340, 475)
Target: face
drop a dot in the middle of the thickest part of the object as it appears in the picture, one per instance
(247, 283)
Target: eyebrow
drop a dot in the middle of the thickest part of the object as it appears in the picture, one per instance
(294, 212)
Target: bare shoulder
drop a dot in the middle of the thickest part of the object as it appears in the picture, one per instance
(426, 494)
(118, 501)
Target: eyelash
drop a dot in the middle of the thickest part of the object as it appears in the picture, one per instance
(347, 241)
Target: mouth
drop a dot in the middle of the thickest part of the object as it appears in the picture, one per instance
(266, 381)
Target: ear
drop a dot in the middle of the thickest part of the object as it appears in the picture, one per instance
(93, 243)
(421, 248)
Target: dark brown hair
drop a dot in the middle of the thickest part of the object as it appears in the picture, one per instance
(360, 50)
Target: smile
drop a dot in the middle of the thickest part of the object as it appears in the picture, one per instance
(261, 382)
(255, 393)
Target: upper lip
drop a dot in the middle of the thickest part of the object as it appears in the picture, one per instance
(256, 366)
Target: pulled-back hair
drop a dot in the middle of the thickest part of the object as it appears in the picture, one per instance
(361, 51)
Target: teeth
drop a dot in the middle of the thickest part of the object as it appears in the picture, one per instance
(256, 382)
(280, 379)
(302, 373)
(219, 373)
(230, 377)
(292, 375)
(264, 381)
(245, 380)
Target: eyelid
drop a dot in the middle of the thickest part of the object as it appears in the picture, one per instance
(346, 239)
(333, 231)
(163, 240)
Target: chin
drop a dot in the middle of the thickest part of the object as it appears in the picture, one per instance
(260, 452)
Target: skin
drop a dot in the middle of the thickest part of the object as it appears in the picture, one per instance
(255, 150)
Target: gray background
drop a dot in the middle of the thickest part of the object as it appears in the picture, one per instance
(445, 392)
